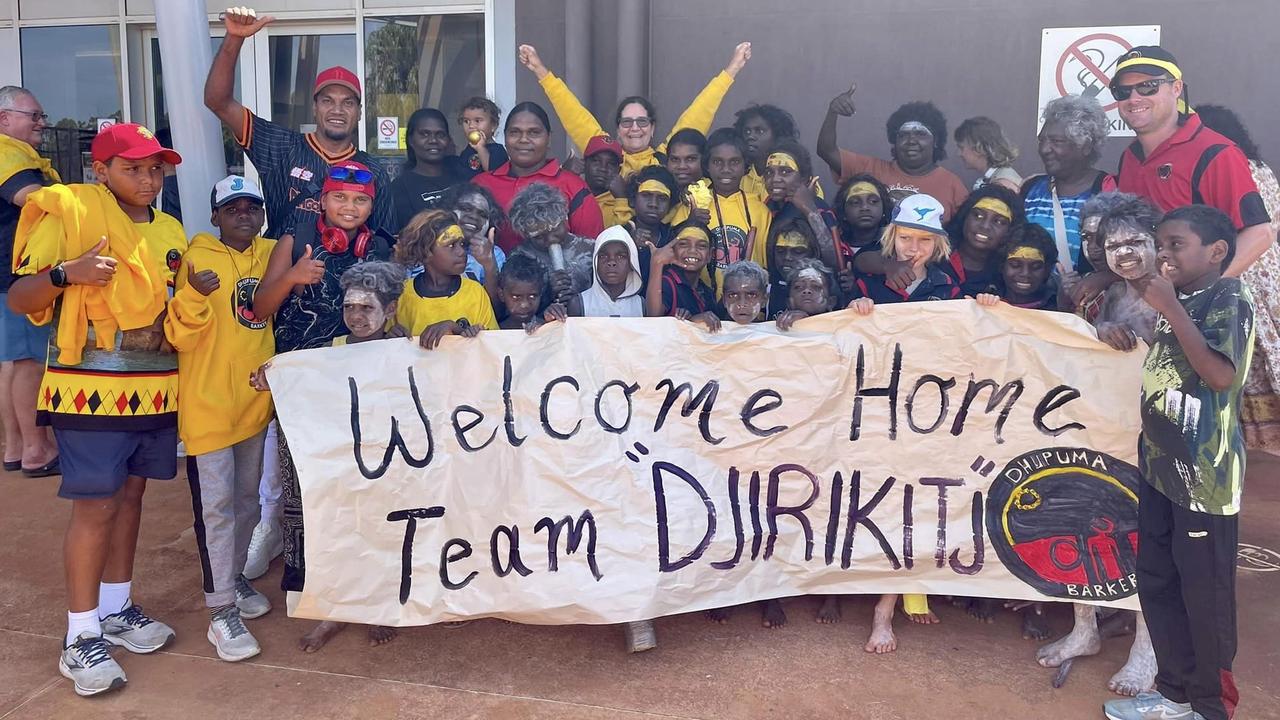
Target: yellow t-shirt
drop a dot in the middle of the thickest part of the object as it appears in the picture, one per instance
(416, 313)
(110, 389)
(753, 184)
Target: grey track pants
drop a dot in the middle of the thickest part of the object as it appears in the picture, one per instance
(224, 500)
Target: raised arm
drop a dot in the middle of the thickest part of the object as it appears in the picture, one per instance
(219, 87)
(579, 124)
(702, 111)
(828, 149)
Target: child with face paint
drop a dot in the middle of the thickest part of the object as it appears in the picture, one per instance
(746, 290)
(1074, 291)
(761, 128)
(789, 181)
(978, 232)
(811, 291)
(540, 214)
(617, 287)
(1028, 259)
(916, 239)
(479, 216)
(479, 120)
(521, 290)
(789, 244)
(676, 287)
(738, 219)
(650, 193)
(440, 301)
(863, 207)
(1127, 237)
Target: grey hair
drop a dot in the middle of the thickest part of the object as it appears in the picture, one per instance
(1102, 204)
(9, 93)
(536, 208)
(749, 270)
(1129, 212)
(384, 279)
(811, 264)
(1083, 120)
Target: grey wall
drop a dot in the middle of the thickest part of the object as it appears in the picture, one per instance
(970, 57)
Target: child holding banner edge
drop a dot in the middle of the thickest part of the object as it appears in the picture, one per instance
(440, 301)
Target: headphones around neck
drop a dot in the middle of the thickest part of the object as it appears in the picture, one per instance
(336, 242)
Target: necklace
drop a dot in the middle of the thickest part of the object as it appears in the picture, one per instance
(235, 265)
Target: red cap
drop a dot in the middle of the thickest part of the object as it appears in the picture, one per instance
(131, 142)
(338, 75)
(603, 143)
(352, 182)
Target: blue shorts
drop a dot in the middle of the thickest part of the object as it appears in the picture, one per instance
(21, 339)
(95, 463)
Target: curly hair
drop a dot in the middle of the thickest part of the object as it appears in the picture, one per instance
(1082, 119)
(1129, 212)
(749, 270)
(449, 201)
(955, 227)
(1029, 234)
(418, 238)
(1209, 224)
(828, 277)
(652, 172)
(793, 148)
(536, 208)
(1102, 203)
(985, 135)
(842, 196)
(778, 120)
(480, 102)
(522, 268)
(925, 113)
(1224, 120)
(383, 279)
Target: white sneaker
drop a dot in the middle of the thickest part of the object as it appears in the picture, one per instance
(88, 664)
(133, 630)
(266, 545)
(251, 603)
(230, 637)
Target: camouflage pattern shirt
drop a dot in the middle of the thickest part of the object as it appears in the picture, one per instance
(1192, 448)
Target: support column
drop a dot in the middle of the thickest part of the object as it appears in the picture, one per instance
(577, 49)
(633, 47)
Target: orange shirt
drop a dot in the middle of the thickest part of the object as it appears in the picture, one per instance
(941, 183)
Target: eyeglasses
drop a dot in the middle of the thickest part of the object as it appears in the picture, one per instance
(640, 122)
(37, 117)
(352, 175)
(1146, 88)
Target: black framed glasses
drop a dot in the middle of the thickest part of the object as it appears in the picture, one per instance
(350, 175)
(35, 116)
(1146, 88)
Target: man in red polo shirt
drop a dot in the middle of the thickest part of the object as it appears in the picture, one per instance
(1176, 160)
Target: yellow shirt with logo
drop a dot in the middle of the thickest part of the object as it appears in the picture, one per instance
(220, 342)
(416, 313)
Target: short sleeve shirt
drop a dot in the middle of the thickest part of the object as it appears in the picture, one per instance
(417, 310)
(941, 183)
(1192, 447)
(677, 293)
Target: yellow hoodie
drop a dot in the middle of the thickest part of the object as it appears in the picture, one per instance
(219, 343)
(581, 125)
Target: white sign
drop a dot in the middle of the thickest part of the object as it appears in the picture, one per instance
(388, 133)
(1081, 61)
(929, 448)
(104, 123)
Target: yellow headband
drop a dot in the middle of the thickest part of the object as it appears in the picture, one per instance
(782, 160)
(861, 188)
(450, 234)
(792, 240)
(693, 231)
(1165, 65)
(1026, 253)
(994, 205)
(654, 186)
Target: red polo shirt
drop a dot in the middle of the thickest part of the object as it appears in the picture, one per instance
(1195, 166)
(584, 212)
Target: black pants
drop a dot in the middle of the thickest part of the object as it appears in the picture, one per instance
(1187, 585)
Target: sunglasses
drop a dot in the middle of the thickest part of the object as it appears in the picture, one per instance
(351, 175)
(640, 122)
(1146, 88)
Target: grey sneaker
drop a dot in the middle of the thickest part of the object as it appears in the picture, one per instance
(133, 630)
(1149, 706)
(251, 603)
(88, 664)
(230, 637)
(266, 544)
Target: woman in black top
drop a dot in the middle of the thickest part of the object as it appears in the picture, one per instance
(427, 172)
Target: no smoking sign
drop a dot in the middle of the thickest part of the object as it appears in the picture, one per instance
(388, 133)
(1081, 61)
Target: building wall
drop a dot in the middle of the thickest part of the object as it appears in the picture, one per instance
(970, 57)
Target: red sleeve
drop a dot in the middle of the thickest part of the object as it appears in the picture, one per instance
(1227, 184)
(585, 220)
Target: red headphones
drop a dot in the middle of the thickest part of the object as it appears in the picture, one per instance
(336, 242)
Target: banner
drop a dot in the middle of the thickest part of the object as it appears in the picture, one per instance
(608, 470)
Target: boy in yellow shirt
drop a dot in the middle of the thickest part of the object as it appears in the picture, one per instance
(223, 421)
(92, 259)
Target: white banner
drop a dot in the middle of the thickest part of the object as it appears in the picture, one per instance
(609, 470)
(1081, 61)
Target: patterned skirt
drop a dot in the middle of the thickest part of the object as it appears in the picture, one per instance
(1260, 411)
(291, 518)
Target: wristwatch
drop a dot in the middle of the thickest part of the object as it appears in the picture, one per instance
(58, 276)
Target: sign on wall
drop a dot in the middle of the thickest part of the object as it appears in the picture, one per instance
(1081, 61)
(607, 470)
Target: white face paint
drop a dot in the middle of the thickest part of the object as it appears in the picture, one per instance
(1131, 253)
(363, 312)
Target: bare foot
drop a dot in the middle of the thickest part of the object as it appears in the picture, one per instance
(1082, 640)
(983, 609)
(1035, 624)
(772, 614)
(381, 635)
(719, 616)
(882, 639)
(829, 613)
(319, 635)
(1139, 673)
(924, 619)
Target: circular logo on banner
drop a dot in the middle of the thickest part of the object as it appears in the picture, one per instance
(1065, 522)
(242, 303)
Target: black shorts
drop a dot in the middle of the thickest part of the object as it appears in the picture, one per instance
(95, 463)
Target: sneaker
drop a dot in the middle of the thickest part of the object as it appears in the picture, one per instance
(87, 662)
(1149, 706)
(230, 637)
(251, 603)
(266, 545)
(133, 630)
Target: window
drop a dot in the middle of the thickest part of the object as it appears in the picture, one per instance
(426, 61)
(295, 62)
(234, 156)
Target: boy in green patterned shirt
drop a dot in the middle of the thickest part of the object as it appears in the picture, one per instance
(1192, 458)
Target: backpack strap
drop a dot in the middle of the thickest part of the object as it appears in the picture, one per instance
(577, 200)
